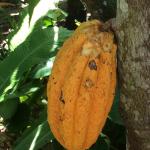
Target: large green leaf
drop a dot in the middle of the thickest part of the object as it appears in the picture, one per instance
(24, 90)
(38, 8)
(36, 138)
(42, 70)
(32, 5)
(37, 135)
(28, 18)
(34, 50)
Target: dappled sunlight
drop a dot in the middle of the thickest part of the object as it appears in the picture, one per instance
(12, 84)
(27, 25)
(22, 33)
(35, 137)
(2, 126)
(33, 34)
(56, 36)
(50, 62)
(13, 80)
(41, 9)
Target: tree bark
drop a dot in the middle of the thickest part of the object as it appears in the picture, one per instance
(133, 35)
(133, 24)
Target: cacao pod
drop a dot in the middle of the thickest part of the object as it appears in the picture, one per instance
(81, 86)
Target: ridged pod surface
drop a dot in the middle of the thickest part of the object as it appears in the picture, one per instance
(81, 86)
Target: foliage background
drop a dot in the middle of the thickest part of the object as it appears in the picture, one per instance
(31, 33)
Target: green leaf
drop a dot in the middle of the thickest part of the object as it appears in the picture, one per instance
(20, 31)
(114, 113)
(32, 5)
(38, 9)
(57, 14)
(47, 22)
(30, 16)
(29, 87)
(26, 55)
(33, 125)
(36, 138)
(42, 70)
(8, 108)
(34, 50)
(20, 119)
(24, 90)
(36, 135)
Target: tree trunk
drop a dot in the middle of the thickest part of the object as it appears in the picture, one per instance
(133, 35)
(133, 20)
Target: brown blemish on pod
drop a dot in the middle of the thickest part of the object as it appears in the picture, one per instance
(61, 98)
(88, 83)
(92, 65)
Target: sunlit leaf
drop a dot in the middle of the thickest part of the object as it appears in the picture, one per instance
(34, 50)
(47, 22)
(24, 90)
(57, 14)
(26, 55)
(39, 136)
(32, 5)
(42, 70)
(32, 14)
(38, 9)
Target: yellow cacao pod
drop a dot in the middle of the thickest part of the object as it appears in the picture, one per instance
(81, 86)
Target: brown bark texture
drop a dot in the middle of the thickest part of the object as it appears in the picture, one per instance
(133, 36)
